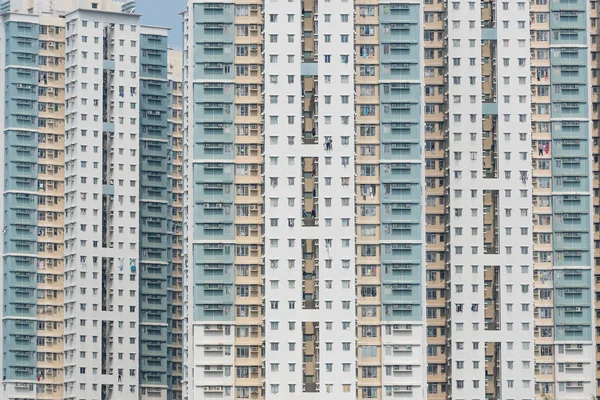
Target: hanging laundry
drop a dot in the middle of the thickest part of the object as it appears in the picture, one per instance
(547, 147)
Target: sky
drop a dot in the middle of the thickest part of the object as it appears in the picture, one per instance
(163, 13)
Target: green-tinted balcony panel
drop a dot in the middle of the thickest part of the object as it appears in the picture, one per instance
(572, 333)
(568, 56)
(153, 364)
(19, 373)
(21, 232)
(21, 295)
(401, 112)
(402, 71)
(154, 225)
(154, 378)
(214, 252)
(21, 121)
(156, 57)
(149, 87)
(154, 118)
(153, 179)
(568, 19)
(108, 65)
(154, 240)
(153, 71)
(17, 264)
(154, 164)
(215, 92)
(20, 138)
(401, 231)
(572, 296)
(23, 76)
(572, 278)
(568, 5)
(21, 310)
(16, 169)
(570, 203)
(574, 241)
(213, 312)
(19, 108)
(153, 348)
(16, 153)
(570, 221)
(401, 292)
(399, 12)
(213, 112)
(215, 32)
(153, 316)
(401, 252)
(214, 51)
(213, 150)
(154, 254)
(400, 132)
(22, 91)
(401, 312)
(154, 102)
(20, 201)
(22, 44)
(560, 36)
(153, 210)
(401, 272)
(153, 286)
(217, 69)
(571, 258)
(401, 212)
(214, 231)
(213, 172)
(154, 333)
(391, 92)
(24, 58)
(400, 150)
(20, 216)
(569, 148)
(569, 110)
(153, 42)
(571, 166)
(398, 52)
(154, 302)
(20, 246)
(213, 132)
(572, 183)
(572, 315)
(154, 193)
(402, 171)
(18, 29)
(214, 192)
(568, 75)
(19, 279)
(154, 271)
(20, 327)
(213, 213)
(213, 12)
(210, 271)
(19, 359)
(213, 293)
(151, 148)
(22, 184)
(154, 132)
(21, 342)
(400, 190)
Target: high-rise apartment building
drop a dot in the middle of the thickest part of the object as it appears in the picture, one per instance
(304, 217)
(426, 199)
(92, 203)
(313, 199)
